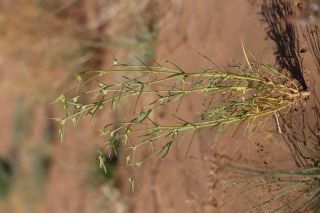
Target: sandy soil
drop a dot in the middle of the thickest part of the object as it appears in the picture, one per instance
(215, 28)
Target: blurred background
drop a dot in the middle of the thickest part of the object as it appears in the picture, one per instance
(44, 43)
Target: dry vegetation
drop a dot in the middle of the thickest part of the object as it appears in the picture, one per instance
(249, 93)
